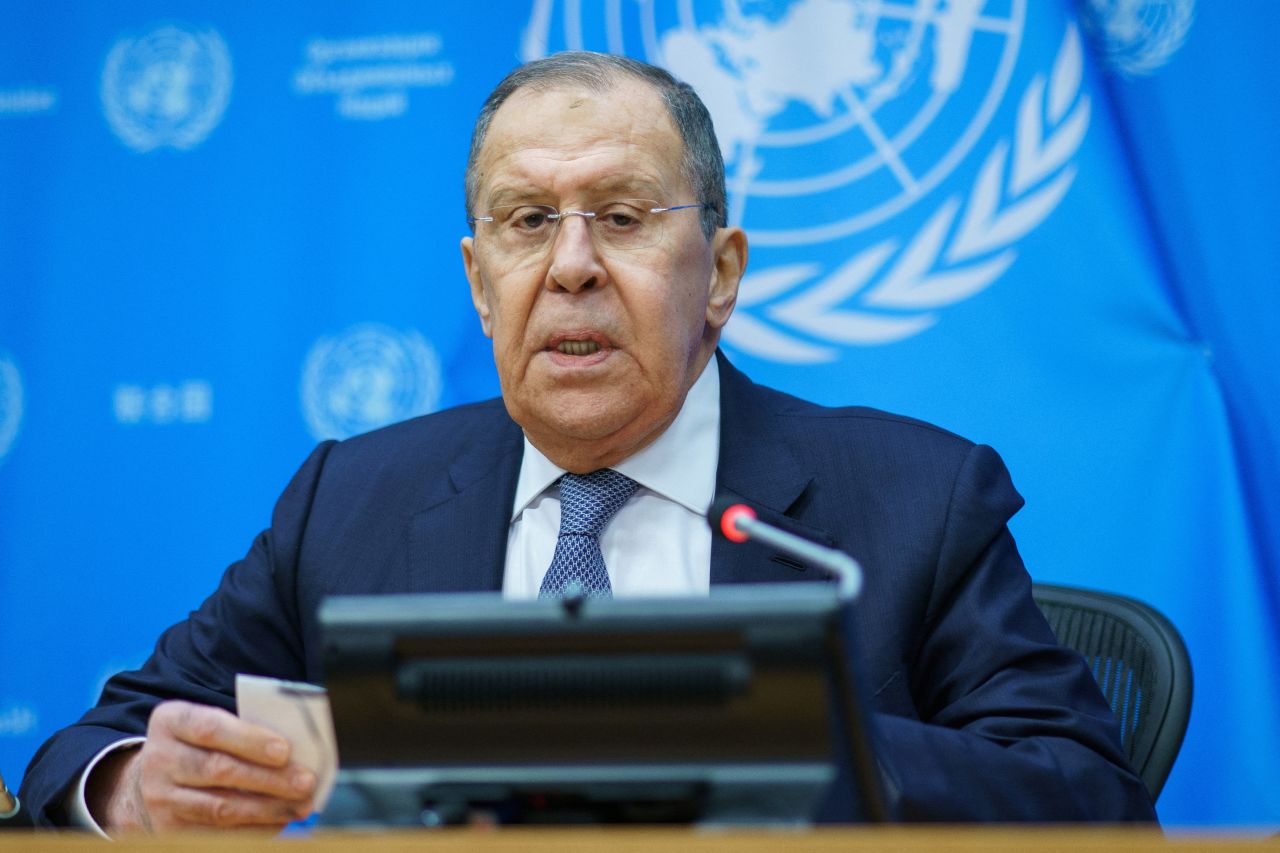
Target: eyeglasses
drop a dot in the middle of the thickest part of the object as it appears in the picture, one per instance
(527, 229)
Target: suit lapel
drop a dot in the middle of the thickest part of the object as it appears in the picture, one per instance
(758, 468)
(459, 541)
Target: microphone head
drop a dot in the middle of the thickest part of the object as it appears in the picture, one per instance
(724, 515)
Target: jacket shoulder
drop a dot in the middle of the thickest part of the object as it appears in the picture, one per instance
(861, 421)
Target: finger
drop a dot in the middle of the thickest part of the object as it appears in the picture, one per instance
(216, 729)
(196, 767)
(227, 809)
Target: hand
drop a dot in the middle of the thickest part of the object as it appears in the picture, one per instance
(200, 767)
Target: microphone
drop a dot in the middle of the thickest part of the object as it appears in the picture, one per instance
(738, 523)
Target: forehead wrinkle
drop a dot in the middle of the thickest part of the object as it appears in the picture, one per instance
(554, 177)
(551, 140)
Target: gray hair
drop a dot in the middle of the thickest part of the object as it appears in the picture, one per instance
(702, 165)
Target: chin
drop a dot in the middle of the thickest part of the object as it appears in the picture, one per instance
(591, 424)
(581, 415)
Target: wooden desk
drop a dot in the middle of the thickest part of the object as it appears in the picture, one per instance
(590, 840)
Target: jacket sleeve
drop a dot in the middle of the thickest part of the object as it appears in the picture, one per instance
(250, 624)
(1011, 726)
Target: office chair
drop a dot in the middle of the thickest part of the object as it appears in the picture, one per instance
(1139, 661)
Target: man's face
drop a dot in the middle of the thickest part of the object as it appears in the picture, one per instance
(596, 347)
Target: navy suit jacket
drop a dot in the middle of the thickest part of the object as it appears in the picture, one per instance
(979, 714)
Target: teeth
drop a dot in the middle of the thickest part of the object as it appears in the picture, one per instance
(578, 347)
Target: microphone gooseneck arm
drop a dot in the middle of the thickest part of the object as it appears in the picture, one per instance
(738, 523)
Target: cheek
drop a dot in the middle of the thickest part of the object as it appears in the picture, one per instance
(669, 333)
(503, 310)
(681, 302)
(509, 309)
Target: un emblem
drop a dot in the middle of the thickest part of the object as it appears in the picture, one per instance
(851, 132)
(367, 377)
(10, 403)
(1139, 36)
(169, 87)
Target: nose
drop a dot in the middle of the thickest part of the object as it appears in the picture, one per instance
(575, 262)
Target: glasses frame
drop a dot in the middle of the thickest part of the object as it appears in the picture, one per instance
(557, 216)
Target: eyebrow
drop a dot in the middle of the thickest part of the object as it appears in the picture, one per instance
(628, 186)
(515, 195)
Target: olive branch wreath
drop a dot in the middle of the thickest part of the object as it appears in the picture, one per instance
(899, 291)
(133, 131)
(405, 353)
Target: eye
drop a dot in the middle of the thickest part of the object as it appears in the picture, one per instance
(528, 218)
(620, 216)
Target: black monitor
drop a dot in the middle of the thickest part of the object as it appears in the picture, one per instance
(467, 707)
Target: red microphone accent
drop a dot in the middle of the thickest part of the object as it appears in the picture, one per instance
(729, 522)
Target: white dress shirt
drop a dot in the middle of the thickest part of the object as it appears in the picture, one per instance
(77, 803)
(659, 543)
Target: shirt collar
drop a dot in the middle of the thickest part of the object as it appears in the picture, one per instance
(680, 464)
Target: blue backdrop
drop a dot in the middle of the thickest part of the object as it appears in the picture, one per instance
(230, 230)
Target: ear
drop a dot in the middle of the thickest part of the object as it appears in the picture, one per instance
(478, 297)
(729, 258)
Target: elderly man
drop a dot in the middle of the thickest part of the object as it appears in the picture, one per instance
(601, 268)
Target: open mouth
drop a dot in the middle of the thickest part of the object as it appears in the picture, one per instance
(588, 344)
(578, 347)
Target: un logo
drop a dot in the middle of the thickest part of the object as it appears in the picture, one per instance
(367, 377)
(1139, 36)
(10, 403)
(169, 87)
(851, 132)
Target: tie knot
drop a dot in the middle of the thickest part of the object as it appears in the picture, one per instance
(588, 501)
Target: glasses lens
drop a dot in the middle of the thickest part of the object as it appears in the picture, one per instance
(627, 225)
(521, 228)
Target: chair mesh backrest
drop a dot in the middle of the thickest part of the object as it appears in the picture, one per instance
(1139, 662)
(1119, 659)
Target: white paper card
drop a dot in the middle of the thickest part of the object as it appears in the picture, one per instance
(299, 712)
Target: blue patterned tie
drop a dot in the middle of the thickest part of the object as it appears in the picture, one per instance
(587, 502)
